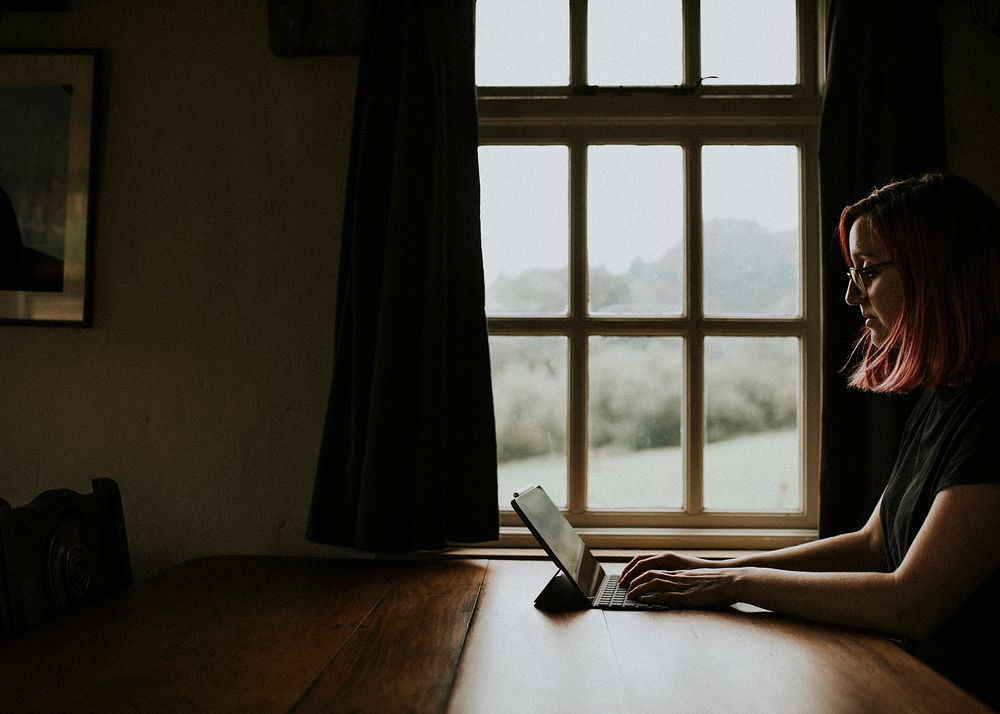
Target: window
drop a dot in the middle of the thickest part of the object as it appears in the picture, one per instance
(650, 231)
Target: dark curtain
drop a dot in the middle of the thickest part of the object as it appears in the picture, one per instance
(408, 455)
(883, 119)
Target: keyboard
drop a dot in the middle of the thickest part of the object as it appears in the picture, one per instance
(613, 597)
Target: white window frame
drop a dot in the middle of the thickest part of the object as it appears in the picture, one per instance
(690, 116)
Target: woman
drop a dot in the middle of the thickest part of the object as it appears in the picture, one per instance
(924, 268)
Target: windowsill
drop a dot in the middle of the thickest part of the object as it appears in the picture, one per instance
(605, 555)
(613, 544)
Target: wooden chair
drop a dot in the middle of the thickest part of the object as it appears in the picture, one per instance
(60, 551)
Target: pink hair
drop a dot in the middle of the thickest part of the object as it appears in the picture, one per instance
(943, 236)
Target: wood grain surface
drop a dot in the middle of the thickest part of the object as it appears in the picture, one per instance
(272, 634)
(518, 658)
(253, 634)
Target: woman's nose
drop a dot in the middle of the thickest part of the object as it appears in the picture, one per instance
(853, 295)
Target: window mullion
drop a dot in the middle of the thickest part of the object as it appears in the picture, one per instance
(577, 412)
(694, 422)
(578, 354)
(691, 11)
(578, 43)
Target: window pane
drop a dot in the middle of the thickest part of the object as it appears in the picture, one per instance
(750, 204)
(522, 43)
(525, 223)
(748, 41)
(635, 229)
(529, 395)
(639, 42)
(634, 458)
(752, 427)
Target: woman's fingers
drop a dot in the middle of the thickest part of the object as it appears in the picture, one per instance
(638, 565)
(653, 581)
(688, 588)
(649, 561)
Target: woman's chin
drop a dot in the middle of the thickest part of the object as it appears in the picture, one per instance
(876, 335)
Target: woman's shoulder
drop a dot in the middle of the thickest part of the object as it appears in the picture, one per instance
(967, 427)
(983, 387)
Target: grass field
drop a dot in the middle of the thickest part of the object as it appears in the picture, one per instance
(752, 473)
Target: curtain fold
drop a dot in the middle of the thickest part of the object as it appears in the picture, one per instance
(883, 119)
(408, 456)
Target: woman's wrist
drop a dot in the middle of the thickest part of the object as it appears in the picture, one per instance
(740, 583)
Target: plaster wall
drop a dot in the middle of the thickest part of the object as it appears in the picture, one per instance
(201, 385)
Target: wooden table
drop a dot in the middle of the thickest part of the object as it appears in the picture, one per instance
(305, 634)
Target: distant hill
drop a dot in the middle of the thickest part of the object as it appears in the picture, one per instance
(749, 271)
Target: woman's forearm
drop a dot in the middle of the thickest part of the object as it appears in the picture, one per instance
(851, 552)
(878, 601)
(868, 600)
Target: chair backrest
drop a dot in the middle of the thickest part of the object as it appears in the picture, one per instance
(60, 551)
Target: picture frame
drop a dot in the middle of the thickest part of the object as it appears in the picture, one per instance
(46, 196)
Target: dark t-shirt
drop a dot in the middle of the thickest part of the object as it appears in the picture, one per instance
(952, 438)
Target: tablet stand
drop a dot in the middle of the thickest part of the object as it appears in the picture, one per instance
(560, 595)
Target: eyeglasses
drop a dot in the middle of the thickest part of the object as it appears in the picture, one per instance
(862, 276)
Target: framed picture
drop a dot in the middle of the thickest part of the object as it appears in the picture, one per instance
(46, 138)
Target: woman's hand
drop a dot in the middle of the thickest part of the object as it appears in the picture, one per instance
(704, 587)
(662, 561)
